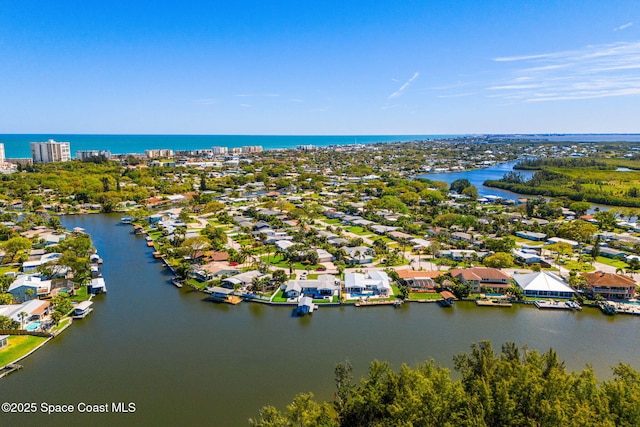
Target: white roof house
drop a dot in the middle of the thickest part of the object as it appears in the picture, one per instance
(376, 281)
(543, 284)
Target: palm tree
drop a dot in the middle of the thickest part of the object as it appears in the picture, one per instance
(23, 315)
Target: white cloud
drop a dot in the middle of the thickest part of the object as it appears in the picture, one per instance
(596, 71)
(246, 105)
(404, 86)
(623, 27)
(296, 100)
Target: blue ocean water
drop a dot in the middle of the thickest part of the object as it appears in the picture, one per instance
(17, 145)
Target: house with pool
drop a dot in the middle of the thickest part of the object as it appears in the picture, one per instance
(370, 284)
(325, 286)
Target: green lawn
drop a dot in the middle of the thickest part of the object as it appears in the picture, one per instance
(7, 269)
(356, 229)
(612, 262)
(579, 266)
(81, 294)
(19, 345)
(199, 285)
(279, 297)
(61, 325)
(155, 234)
(526, 241)
(332, 221)
(418, 296)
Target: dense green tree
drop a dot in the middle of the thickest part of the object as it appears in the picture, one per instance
(499, 260)
(15, 246)
(459, 184)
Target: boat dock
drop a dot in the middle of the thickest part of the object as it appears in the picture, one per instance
(558, 305)
(8, 369)
(612, 307)
(225, 295)
(369, 303)
(492, 303)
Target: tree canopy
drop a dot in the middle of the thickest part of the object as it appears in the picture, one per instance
(516, 387)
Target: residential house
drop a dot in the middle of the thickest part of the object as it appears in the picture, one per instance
(359, 254)
(324, 256)
(610, 286)
(530, 235)
(419, 281)
(374, 283)
(461, 254)
(553, 240)
(325, 285)
(34, 309)
(543, 284)
(242, 279)
(526, 256)
(28, 286)
(480, 277)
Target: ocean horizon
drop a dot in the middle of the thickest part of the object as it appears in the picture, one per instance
(17, 145)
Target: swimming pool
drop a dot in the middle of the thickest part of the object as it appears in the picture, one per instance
(32, 326)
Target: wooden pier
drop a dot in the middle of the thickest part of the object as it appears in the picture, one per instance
(370, 303)
(492, 303)
(8, 369)
(557, 305)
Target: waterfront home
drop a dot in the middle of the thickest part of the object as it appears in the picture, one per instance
(419, 281)
(374, 283)
(28, 286)
(543, 284)
(610, 286)
(481, 277)
(32, 266)
(33, 309)
(242, 279)
(324, 286)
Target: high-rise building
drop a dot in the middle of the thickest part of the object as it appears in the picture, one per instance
(252, 149)
(88, 154)
(50, 151)
(219, 150)
(1, 152)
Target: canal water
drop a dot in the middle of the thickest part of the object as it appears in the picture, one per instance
(185, 361)
(478, 176)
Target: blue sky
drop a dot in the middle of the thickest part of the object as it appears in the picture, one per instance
(320, 67)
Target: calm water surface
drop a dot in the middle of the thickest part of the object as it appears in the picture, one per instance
(186, 361)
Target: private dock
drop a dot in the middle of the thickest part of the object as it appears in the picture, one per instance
(176, 282)
(219, 294)
(8, 369)
(558, 305)
(611, 307)
(369, 303)
(492, 303)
